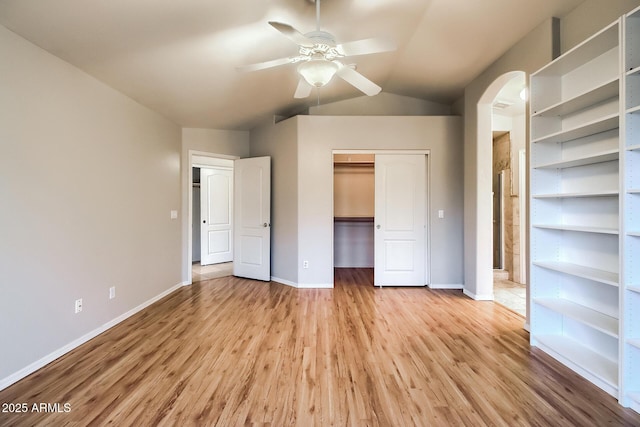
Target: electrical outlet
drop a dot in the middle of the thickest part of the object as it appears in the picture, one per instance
(78, 305)
(305, 264)
(112, 292)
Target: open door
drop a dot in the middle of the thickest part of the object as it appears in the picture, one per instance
(216, 207)
(400, 220)
(252, 218)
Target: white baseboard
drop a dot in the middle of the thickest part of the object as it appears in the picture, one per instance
(284, 282)
(28, 370)
(445, 286)
(527, 327)
(481, 297)
(315, 285)
(303, 285)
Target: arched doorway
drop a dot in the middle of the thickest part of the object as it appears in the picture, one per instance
(485, 178)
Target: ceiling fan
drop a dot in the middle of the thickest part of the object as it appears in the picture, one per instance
(319, 57)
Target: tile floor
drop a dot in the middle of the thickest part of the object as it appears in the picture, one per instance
(510, 294)
(213, 271)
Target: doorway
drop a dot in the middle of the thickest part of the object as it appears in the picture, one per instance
(211, 221)
(508, 143)
(380, 215)
(199, 270)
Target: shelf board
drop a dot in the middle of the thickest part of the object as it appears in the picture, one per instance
(582, 357)
(634, 191)
(587, 316)
(601, 276)
(633, 71)
(633, 147)
(576, 195)
(604, 156)
(588, 98)
(635, 343)
(601, 230)
(602, 124)
(635, 289)
(353, 219)
(633, 110)
(633, 233)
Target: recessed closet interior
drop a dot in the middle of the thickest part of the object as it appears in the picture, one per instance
(353, 207)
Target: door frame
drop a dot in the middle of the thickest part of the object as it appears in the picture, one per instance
(196, 159)
(427, 154)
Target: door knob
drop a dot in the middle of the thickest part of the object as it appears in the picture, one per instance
(265, 225)
(204, 221)
(378, 226)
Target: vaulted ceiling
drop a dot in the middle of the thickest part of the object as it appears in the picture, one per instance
(179, 57)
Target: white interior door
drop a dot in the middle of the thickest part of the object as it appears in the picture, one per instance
(216, 207)
(400, 220)
(252, 218)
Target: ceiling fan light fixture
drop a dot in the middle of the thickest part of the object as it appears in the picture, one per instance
(318, 72)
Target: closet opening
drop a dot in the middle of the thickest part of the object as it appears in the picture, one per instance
(353, 206)
(381, 216)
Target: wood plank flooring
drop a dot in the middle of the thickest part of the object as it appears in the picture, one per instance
(233, 352)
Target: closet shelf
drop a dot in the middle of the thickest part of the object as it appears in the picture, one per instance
(635, 343)
(587, 316)
(601, 276)
(600, 125)
(633, 147)
(606, 91)
(604, 156)
(634, 191)
(601, 230)
(572, 353)
(635, 289)
(633, 233)
(576, 195)
(353, 219)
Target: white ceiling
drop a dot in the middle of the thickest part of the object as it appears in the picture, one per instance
(178, 57)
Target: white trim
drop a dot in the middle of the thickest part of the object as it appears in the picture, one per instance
(315, 285)
(284, 282)
(445, 286)
(303, 285)
(480, 297)
(28, 370)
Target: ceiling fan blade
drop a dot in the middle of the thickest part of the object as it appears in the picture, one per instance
(263, 65)
(359, 81)
(303, 90)
(366, 46)
(296, 36)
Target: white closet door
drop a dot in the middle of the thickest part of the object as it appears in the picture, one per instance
(400, 186)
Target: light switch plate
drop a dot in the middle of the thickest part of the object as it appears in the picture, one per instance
(174, 214)
(441, 213)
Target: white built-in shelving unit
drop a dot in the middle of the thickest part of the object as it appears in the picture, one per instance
(575, 207)
(630, 218)
(585, 209)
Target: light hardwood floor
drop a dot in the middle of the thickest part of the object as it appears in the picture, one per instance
(232, 352)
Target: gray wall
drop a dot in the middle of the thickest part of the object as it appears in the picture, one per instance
(280, 142)
(88, 178)
(383, 104)
(589, 18)
(318, 136)
(532, 52)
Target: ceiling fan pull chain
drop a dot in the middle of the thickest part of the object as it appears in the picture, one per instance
(317, 15)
